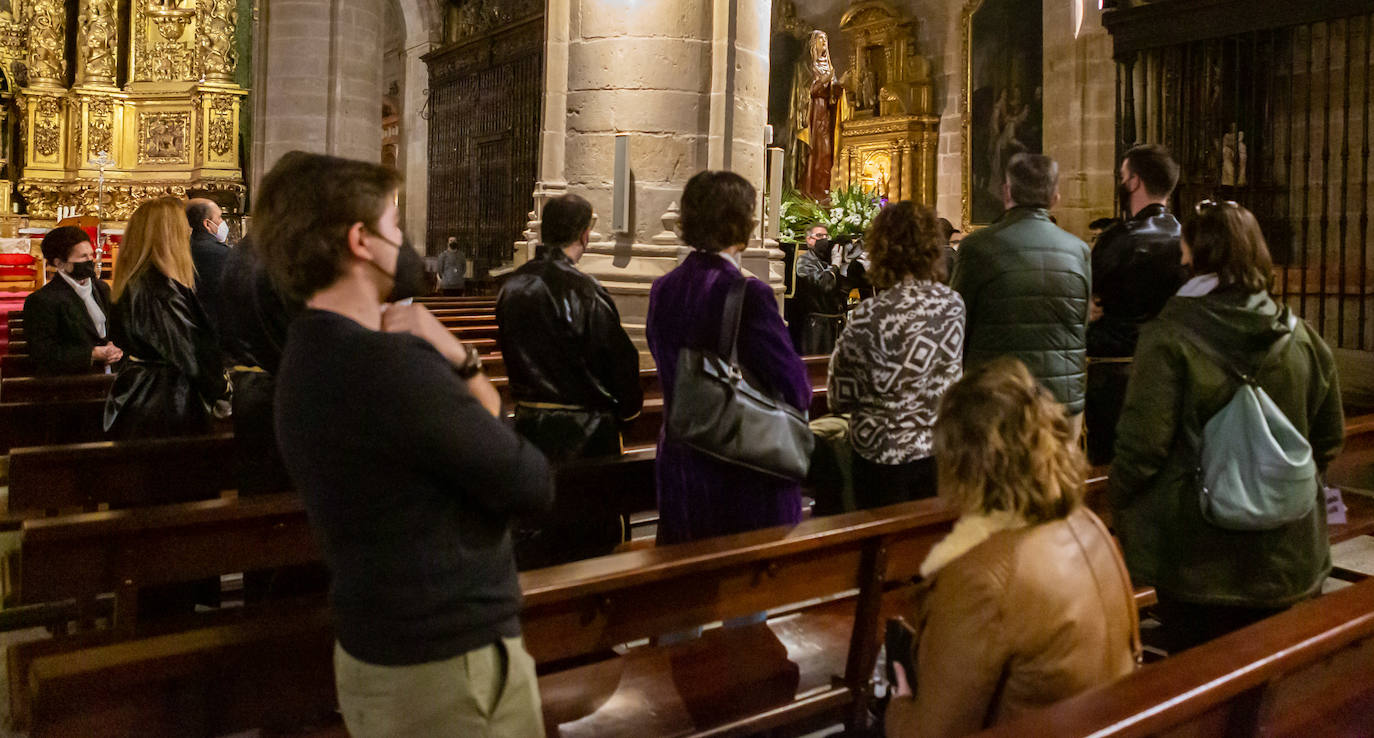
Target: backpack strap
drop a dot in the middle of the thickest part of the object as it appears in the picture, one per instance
(1275, 350)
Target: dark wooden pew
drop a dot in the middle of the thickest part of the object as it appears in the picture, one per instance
(52, 389)
(1305, 672)
(120, 474)
(220, 678)
(50, 423)
(19, 363)
(582, 610)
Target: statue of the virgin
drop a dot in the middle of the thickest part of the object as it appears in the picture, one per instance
(816, 95)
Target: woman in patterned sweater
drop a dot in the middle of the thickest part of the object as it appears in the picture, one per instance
(897, 355)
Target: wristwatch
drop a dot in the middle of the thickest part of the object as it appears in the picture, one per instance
(471, 365)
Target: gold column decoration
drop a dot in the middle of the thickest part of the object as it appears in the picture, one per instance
(47, 42)
(885, 142)
(99, 42)
(163, 41)
(217, 56)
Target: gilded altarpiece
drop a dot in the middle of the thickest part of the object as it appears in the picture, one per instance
(164, 121)
(890, 137)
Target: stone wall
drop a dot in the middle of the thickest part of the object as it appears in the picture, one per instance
(687, 80)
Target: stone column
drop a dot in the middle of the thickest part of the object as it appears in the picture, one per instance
(318, 80)
(688, 80)
(1079, 109)
(424, 25)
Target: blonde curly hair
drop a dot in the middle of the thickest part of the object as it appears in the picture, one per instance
(1003, 444)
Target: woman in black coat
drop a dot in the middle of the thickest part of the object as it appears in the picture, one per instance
(172, 380)
(67, 322)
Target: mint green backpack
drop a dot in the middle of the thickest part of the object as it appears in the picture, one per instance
(1255, 470)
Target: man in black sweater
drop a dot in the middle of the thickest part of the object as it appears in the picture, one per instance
(390, 432)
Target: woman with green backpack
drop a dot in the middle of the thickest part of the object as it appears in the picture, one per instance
(1232, 413)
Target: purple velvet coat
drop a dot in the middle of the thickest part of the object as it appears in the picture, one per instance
(700, 496)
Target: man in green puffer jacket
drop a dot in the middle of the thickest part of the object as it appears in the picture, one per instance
(1026, 285)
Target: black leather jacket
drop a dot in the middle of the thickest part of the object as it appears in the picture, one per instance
(172, 372)
(1135, 270)
(562, 342)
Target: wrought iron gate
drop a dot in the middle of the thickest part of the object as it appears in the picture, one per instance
(485, 99)
(1278, 119)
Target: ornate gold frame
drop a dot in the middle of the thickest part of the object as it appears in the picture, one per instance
(966, 113)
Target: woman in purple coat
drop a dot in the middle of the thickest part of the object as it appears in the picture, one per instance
(700, 496)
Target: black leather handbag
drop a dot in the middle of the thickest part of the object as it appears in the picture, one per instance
(719, 412)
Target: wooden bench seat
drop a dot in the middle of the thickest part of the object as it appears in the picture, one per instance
(571, 611)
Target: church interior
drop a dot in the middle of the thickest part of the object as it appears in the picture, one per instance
(834, 112)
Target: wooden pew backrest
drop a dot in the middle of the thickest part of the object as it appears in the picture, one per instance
(1308, 671)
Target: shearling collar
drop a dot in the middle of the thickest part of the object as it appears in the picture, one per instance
(969, 530)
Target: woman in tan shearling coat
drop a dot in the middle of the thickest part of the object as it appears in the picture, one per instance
(1027, 600)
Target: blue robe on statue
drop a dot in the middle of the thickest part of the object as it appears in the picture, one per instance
(700, 496)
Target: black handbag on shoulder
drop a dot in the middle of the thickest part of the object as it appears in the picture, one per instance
(717, 411)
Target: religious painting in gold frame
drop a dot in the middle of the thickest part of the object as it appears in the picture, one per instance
(1002, 97)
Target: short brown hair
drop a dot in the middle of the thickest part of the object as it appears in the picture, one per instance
(59, 242)
(1003, 444)
(905, 239)
(564, 220)
(157, 236)
(1157, 171)
(1225, 239)
(304, 209)
(1033, 180)
(717, 210)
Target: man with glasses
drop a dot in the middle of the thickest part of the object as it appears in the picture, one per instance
(574, 374)
(1136, 268)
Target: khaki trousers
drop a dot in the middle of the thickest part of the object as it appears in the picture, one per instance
(489, 692)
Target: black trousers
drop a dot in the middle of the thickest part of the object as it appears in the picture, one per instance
(1185, 624)
(879, 485)
(1106, 394)
(574, 529)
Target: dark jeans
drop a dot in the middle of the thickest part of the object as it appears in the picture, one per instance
(1185, 624)
(879, 485)
(1107, 382)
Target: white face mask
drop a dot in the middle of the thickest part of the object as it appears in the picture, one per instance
(222, 233)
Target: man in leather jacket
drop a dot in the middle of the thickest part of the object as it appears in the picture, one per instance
(1136, 269)
(574, 374)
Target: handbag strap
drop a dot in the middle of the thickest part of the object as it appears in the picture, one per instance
(730, 320)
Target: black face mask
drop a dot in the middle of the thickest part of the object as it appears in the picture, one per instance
(83, 270)
(409, 279)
